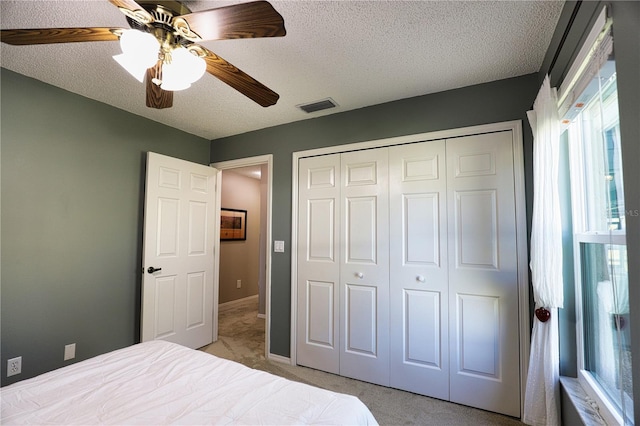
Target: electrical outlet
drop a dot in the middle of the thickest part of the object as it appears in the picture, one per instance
(238, 283)
(14, 366)
(69, 351)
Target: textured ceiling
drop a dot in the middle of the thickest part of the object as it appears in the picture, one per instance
(359, 53)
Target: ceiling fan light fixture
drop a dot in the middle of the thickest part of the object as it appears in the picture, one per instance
(161, 29)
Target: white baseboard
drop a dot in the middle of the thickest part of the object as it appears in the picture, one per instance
(232, 303)
(263, 316)
(279, 358)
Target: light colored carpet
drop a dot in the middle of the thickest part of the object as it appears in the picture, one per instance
(241, 339)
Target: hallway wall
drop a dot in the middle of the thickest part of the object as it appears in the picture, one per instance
(239, 260)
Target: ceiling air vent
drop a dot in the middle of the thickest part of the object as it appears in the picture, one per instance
(318, 106)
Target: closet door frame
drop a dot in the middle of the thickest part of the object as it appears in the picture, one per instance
(521, 221)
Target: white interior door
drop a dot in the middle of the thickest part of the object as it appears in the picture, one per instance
(178, 251)
(419, 288)
(364, 270)
(483, 273)
(317, 339)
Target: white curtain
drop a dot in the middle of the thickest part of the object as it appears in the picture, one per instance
(542, 396)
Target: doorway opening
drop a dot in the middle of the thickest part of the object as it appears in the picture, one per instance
(245, 265)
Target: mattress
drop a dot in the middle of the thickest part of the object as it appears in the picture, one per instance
(158, 382)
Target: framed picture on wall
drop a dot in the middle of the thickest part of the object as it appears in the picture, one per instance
(233, 224)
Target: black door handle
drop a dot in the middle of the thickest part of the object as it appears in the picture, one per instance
(151, 269)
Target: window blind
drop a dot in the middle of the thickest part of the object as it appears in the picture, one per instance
(580, 82)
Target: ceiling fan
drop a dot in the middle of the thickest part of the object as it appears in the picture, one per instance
(160, 46)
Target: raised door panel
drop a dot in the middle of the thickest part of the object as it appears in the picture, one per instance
(422, 329)
(364, 268)
(318, 269)
(196, 300)
(361, 231)
(320, 230)
(483, 301)
(320, 311)
(478, 323)
(164, 297)
(361, 323)
(420, 229)
(197, 228)
(476, 213)
(418, 269)
(168, 227)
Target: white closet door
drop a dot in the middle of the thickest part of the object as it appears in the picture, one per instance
(483, 299)
(364, 272)
(418, 269)
(317, 341)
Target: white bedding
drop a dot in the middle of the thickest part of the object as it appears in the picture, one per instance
(163, 383)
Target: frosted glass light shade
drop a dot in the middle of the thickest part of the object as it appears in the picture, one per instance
(139, 52)
(184, 69)
(132, 66)
(191, 66)
(172, 79)
(142, 46)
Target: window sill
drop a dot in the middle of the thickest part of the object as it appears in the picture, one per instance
(585, 407)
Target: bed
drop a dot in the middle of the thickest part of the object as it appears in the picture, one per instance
(164, 383)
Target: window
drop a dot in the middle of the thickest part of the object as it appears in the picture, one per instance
(590, 109)
(605, 301)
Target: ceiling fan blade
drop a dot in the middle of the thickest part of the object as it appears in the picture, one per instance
(239, 80)
(133, 10)
(156, 97)
(245, 20)
(57, 35)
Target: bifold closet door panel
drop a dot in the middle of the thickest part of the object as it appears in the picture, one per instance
(418, 269)
(317, 339)
(364, 269)
(483, 275)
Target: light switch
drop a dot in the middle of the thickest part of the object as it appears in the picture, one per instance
(278, 246)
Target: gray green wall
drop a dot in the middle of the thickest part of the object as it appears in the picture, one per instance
(72, 199)
(497, 101)
(626, 35)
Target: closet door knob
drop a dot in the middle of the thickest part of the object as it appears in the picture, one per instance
(420, 278)
(151, 269)
(359, 274)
